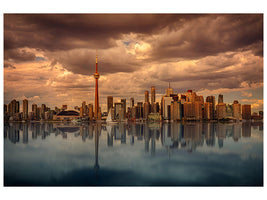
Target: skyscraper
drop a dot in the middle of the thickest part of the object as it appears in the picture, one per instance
(221, 111)
(109, 103)
(146, 96)
(13, 107)
(237, 110)
(153, 94)
(43, 109)
(131, 102)
(220, 98)
(246, 111)
(211, 99)
(17, 107)
(96, 76)
(169, 90)
(84, 110)
(34, 110)
(123, 102)
(91, 111)
(25, 109)
(207, 110)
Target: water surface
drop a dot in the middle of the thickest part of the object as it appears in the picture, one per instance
(157, 154)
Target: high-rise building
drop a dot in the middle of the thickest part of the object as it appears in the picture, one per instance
(84, 108)
(198, 110)
(96, 76)
(154, 107)
(123, 102)
(109, 103)
(153, 94)
(43, 110)
(221, 111)
(169, 90)
(39, 113)
(25, 109)
(146, 96)
(220, 99)
(34, 110)
(91, 111)
(176, 113)
(81, 112)
(146, 109)
(211, 99)
(229, 110)
(139, 110)
(131, 102)
(13, 107)
(246, 111)
(166, 106)
(118, 107)
(208, 111)
(237, 110)
(17, 107)
(189, 96)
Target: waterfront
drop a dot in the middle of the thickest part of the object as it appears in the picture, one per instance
(125, 154)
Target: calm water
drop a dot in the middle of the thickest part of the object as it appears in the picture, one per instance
(168, 154)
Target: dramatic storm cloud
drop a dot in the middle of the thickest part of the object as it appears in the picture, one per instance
(50, 58)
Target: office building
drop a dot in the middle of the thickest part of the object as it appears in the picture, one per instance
(237, 110)
(166, 106)
(220, 99)
(211, 99)
(189, 96)
(176, 111)
(221, 111)
(154, 107)
(139, 110)
(131, 102)
(91, 111)
(146, 109)
(169, 91)
(25, 109)
(208, 111)
(17, 110)
(43, 110)
(198, 110)
(146, 96)
(123, 102)
(34, 110)
(117, 107)
(246, 111)
(153, 94)
(109, 103)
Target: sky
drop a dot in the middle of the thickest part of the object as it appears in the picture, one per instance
(50, 58)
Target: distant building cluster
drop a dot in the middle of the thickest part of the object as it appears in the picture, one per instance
(173, 107)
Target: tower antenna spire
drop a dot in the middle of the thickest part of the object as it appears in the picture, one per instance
(96, 56)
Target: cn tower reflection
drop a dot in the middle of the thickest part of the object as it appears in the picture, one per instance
(97, 134)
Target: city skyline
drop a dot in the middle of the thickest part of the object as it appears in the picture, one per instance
(50, 59)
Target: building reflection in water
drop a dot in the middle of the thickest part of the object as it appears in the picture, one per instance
(97, 128)
(188, 136)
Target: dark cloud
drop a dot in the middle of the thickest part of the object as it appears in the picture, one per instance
(9, 65)
(64, 32)
(210, 35)
(19, 55)
(172, 36)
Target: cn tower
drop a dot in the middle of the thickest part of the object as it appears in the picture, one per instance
(96, 75)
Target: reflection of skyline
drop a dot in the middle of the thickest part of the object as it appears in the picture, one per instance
(186, 136)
